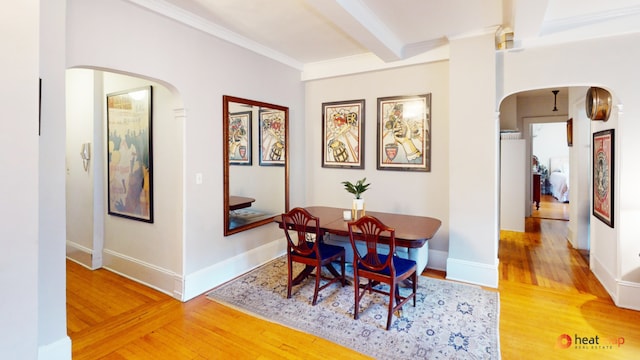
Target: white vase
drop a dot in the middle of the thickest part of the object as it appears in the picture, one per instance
(358, 204)
(357, 209)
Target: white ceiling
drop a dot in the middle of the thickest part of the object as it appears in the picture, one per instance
(303, 32)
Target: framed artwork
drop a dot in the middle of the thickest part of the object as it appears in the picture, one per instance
(272, 149)
(404, 133)
(130, 156)
(343, 134)
(603, 166)
(570, 132)
(240, 138)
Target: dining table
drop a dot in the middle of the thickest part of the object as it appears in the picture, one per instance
(411, 231)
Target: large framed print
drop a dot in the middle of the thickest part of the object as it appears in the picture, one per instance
(130, 156)
(404, 133)
(603, 175)
(343, 134)
(240, 138)
(272, 128)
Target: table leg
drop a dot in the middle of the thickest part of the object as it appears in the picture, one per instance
(303, 274)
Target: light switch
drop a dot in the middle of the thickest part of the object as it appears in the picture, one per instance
(199, 178)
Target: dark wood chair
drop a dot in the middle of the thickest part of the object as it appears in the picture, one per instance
(304, 245)
(379, 268)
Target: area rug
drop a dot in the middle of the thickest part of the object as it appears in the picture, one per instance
(450, 320)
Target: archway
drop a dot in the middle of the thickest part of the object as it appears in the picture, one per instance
(150, 253)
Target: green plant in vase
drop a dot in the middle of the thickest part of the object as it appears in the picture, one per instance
(357, 189)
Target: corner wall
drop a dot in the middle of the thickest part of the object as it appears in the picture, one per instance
(474, 156)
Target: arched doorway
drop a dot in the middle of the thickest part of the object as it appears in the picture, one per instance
(150, 253)
(518, 113)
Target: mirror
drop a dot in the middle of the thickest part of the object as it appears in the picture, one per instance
(256, 170)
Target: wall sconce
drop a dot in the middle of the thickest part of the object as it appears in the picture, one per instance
(598, 104)
(555, 97)
(85, 154)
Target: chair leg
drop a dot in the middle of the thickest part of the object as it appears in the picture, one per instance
(415, 287)
(344, 273)
(392, 298)
(356, 285)
(289, 279)
(317, 287)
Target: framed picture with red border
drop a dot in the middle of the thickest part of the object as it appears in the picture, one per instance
(603, 175)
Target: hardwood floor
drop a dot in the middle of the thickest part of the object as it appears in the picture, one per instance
(551, 208)
(546, 290)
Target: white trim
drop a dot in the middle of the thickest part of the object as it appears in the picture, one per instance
(80, 254)
(607, 280)
(58, 350)
(176, 13)
(137, 270)
(206, 279)
(473, 272)
(629, 295)
(367, 62)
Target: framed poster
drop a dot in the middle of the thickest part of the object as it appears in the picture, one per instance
(603, 172)
(272, 149)
(404, 133)
(130, 157)
(343, 134)
(240, 138)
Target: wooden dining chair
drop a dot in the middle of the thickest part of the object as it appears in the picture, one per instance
(304, 245)
(379, 268)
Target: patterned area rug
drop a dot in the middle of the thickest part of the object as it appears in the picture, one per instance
(450, 320)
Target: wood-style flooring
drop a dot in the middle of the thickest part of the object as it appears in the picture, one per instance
(550, 208)
(546, 290)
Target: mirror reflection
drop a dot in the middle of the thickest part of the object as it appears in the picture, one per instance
(255, 163)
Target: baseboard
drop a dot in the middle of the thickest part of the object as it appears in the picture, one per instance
(80, 254)
(153, 276)
(625, 294)
(438, 260)
(58, 350)
(473, 272)
(629, 295)
(607, 279)
(206, 279)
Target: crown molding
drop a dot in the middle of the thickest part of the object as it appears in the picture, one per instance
(564, 24)
(367, 62)
(173, 12)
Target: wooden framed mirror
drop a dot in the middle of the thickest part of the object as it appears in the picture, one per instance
(256, 167)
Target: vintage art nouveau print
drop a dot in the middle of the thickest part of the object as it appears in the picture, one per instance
(343, 134)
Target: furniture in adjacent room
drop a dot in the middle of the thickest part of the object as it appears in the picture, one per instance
(412, 232)
(559, 177)
(376, 268)
(298, 224)
(535, 192)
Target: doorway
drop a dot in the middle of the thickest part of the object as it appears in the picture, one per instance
(551, 167)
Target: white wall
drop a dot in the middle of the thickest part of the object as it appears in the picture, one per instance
(474, 161)
(512, 184)
(53, 341)
(202, 69)
(79, 183)
(19, 190)
(406, 192)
